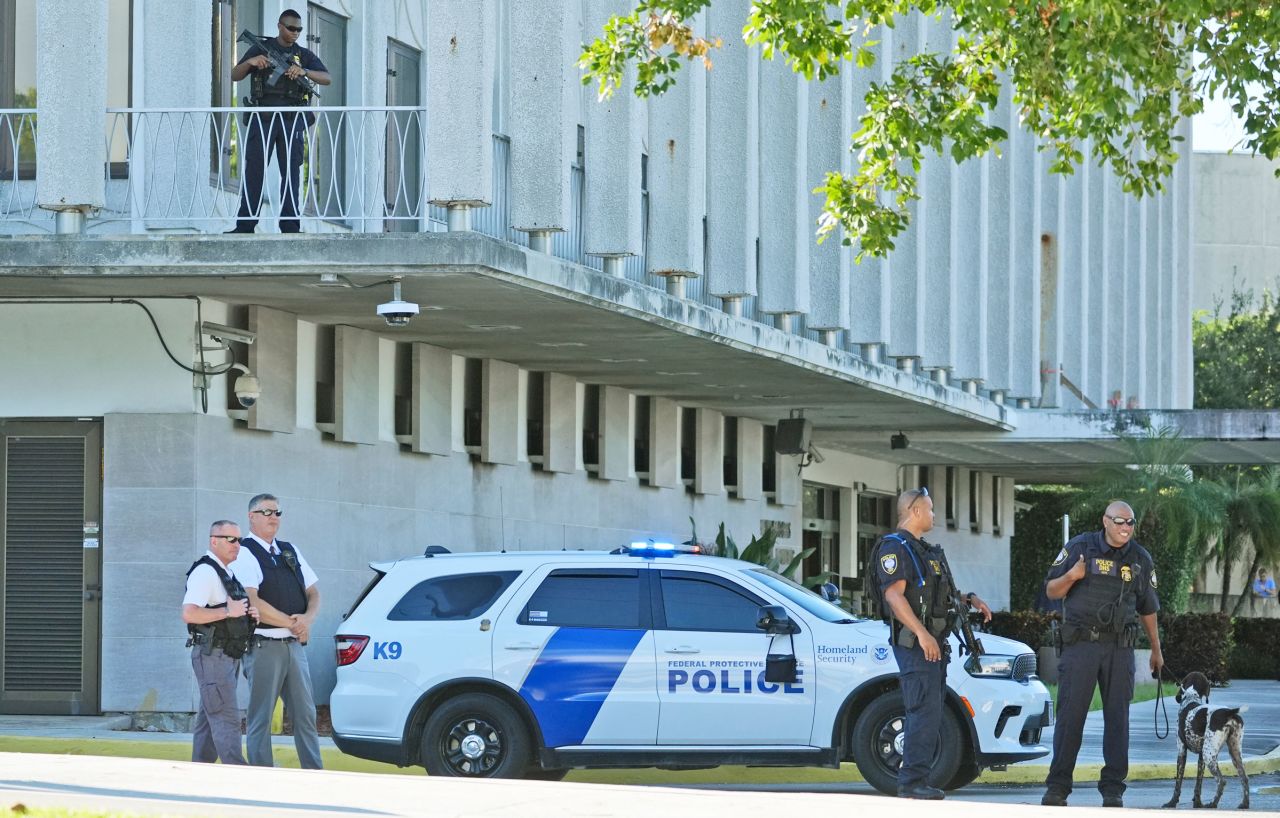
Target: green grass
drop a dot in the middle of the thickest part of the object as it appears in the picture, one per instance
(1142, 692)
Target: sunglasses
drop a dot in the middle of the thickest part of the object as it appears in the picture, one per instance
(268, 512)
(294, 29)
(1129, 521)
(231, 538)
(924, 492)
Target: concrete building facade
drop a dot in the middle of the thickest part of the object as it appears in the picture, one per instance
(621, 300)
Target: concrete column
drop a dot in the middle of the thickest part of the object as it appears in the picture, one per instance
(969, 256)
(1024, 256)
(906, 315)
(617, 433)
(1051, 290)
(997, 252)
(560, 438)
(787, 477)
(1168, 321)
(786, 235)
(733, 165)
(544, 112)
(1183, 228)
(612, 215)
(750, 459)
(355, 388)
(71, 77)
(936, 181)
(829, 126)
(871, 292)
(1135, 300)
(1115, 225)
(273, 357)
(1073, 250)
(664, 443)
(499, 438)
(709, 453)
(1151, 329)
(1097, 307)
(461, 57)
(431, 399)
(678, 176)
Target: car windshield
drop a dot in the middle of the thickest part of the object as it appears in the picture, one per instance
(802, 596)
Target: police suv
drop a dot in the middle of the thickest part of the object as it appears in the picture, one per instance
(529, 664)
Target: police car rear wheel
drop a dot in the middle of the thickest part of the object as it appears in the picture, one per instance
(475, 736)
(877, 744)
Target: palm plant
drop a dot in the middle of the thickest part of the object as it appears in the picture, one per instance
(760, 552)
(1248, 525)
(1175, 511)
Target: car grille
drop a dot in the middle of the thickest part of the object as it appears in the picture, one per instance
(1024, 667)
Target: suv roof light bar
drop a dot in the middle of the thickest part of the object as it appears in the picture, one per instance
(653, 548)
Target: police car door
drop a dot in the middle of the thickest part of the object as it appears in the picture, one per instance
(711, 680)
(576, 645)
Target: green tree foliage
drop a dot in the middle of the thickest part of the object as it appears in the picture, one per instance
(1037, 538)
(1247, 525)
(1177, 513)
(1237, 354)
(1110, 78)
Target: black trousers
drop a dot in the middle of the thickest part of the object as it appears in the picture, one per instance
(1082, 666)
(924, 686)
(282, 135)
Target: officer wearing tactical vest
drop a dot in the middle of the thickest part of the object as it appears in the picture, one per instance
(283, 586)
(278, 133)
(917, 602)
(1108, 583)
(220, 621)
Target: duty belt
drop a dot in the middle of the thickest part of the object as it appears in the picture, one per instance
(1072, 634)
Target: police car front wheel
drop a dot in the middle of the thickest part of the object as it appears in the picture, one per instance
(475, 736)
(877, 744)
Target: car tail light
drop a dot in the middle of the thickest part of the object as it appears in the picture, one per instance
(349, 648)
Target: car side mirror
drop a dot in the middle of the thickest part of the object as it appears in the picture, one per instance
(773, 620)
(830, 592)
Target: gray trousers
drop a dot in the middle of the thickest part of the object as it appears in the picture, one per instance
(275, 669)
(216, 734)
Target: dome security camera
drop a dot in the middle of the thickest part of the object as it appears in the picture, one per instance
(397, 313)
(246, 387)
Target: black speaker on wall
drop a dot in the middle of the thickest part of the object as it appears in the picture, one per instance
(792, 436)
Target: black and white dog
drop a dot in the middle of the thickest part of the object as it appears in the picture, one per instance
(1205, 730)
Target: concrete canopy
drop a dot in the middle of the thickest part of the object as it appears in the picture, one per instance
(487, 299)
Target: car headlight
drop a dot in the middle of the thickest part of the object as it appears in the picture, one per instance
(993, 666)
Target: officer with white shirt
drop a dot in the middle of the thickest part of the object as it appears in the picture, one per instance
(220, 621)
(283, 587)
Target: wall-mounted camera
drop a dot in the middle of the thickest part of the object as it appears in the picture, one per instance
(246, 387)
(224, 334)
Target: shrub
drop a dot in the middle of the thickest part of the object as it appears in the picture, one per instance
(1030, 627)
(1195, 641)
(1256, 654)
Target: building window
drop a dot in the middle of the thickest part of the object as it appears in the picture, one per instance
(997, 518)
(591, 427)
(953, 495)
(403, 384)
(731, 453)
(643, 466)
(402, 187)
(769, 465)
(975, 502)
(688, 444)
(472, 404)
(535, 393)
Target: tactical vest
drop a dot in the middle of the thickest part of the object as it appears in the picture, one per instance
(1105, 600)
(929, 594)
(284, 92)
(282, 585)
(230, 635)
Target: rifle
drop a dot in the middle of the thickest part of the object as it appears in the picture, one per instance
(961, 622)
(279, 60)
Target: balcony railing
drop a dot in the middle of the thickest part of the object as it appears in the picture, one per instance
(17, 163)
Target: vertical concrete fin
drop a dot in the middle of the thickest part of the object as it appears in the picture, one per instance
(499, 438)
(615, 426)
(431, 399)
(664, 443)
(355, 391)
(784, 247)
(829, 126)
(750, 459)
(559, 423)
(461, 59)
(273, 358)
(709, 453)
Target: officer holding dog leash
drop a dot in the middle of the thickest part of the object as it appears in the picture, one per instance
(1108, 584)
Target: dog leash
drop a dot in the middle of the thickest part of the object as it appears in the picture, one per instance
(1160, 705)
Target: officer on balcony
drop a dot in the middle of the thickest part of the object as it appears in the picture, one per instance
(281, 134)
(1108, 584)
